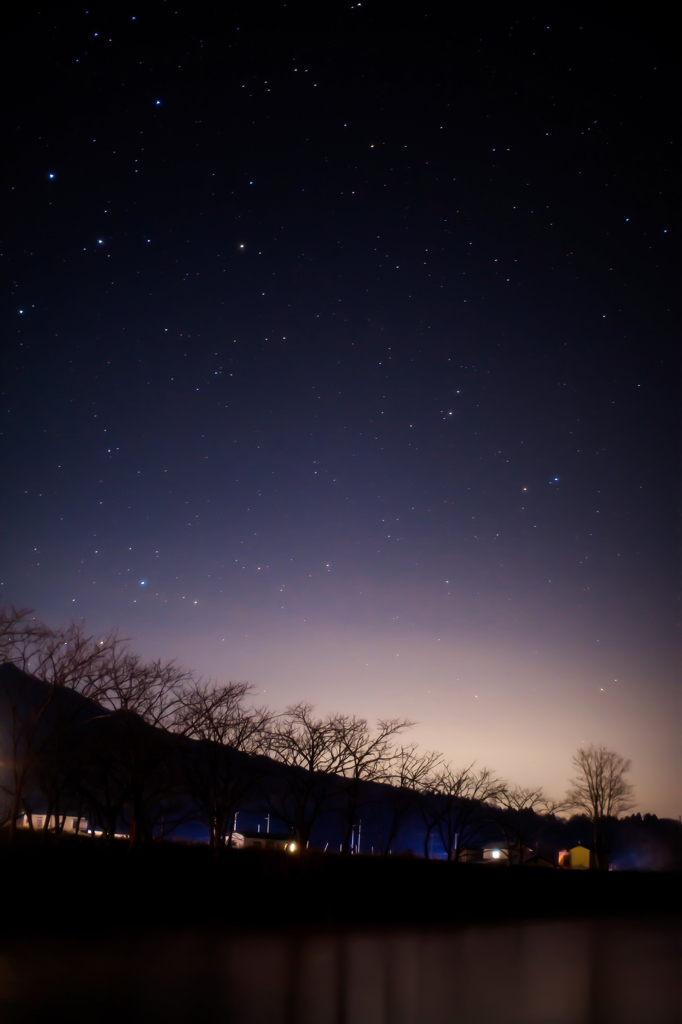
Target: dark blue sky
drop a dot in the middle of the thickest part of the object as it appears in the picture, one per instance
(342, 357)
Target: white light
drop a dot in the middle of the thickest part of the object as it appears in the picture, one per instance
(496, 854)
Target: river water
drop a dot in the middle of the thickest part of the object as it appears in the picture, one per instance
(609, 971)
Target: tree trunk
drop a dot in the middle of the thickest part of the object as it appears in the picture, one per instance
(14, 813)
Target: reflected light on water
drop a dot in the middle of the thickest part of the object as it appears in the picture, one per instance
(576, 972)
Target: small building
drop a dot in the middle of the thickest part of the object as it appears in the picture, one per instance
(515, 855)
(536, 860)
(265, 841)
(495, 853)
(578, 858)
(470, 855)
(67, 823)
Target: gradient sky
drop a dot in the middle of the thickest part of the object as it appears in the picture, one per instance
(341, 357)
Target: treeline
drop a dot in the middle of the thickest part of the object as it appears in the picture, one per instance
(140, 747)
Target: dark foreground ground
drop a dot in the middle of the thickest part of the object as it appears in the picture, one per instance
(65, 884)
(168, 934)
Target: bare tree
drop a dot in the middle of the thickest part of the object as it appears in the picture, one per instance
(601, 791)
(36, 722)
(68, 659)
(22, 709)
(364, 755)
(309, 747)
(137, 695)
(218, 768)
(407, 773)
(519, 809)
(452, 802)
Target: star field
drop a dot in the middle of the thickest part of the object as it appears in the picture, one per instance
(340, 357)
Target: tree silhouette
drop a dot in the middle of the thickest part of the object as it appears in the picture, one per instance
(309, 747)
(451, 802)
(364, 756)
(601, 790)
(518, 817)
(138, 695)
(218, 772)
(408, 769)
(37, 726)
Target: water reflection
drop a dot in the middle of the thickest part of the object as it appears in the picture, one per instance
(581, 972)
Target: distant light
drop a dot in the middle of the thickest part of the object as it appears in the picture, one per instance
(157, 103)
(143, 583)
(51, 176)
(496, 854)
(100, 241)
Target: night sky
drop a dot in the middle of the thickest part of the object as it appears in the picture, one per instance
(341, 357)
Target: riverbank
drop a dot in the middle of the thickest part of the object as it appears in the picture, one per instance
(65, 886)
